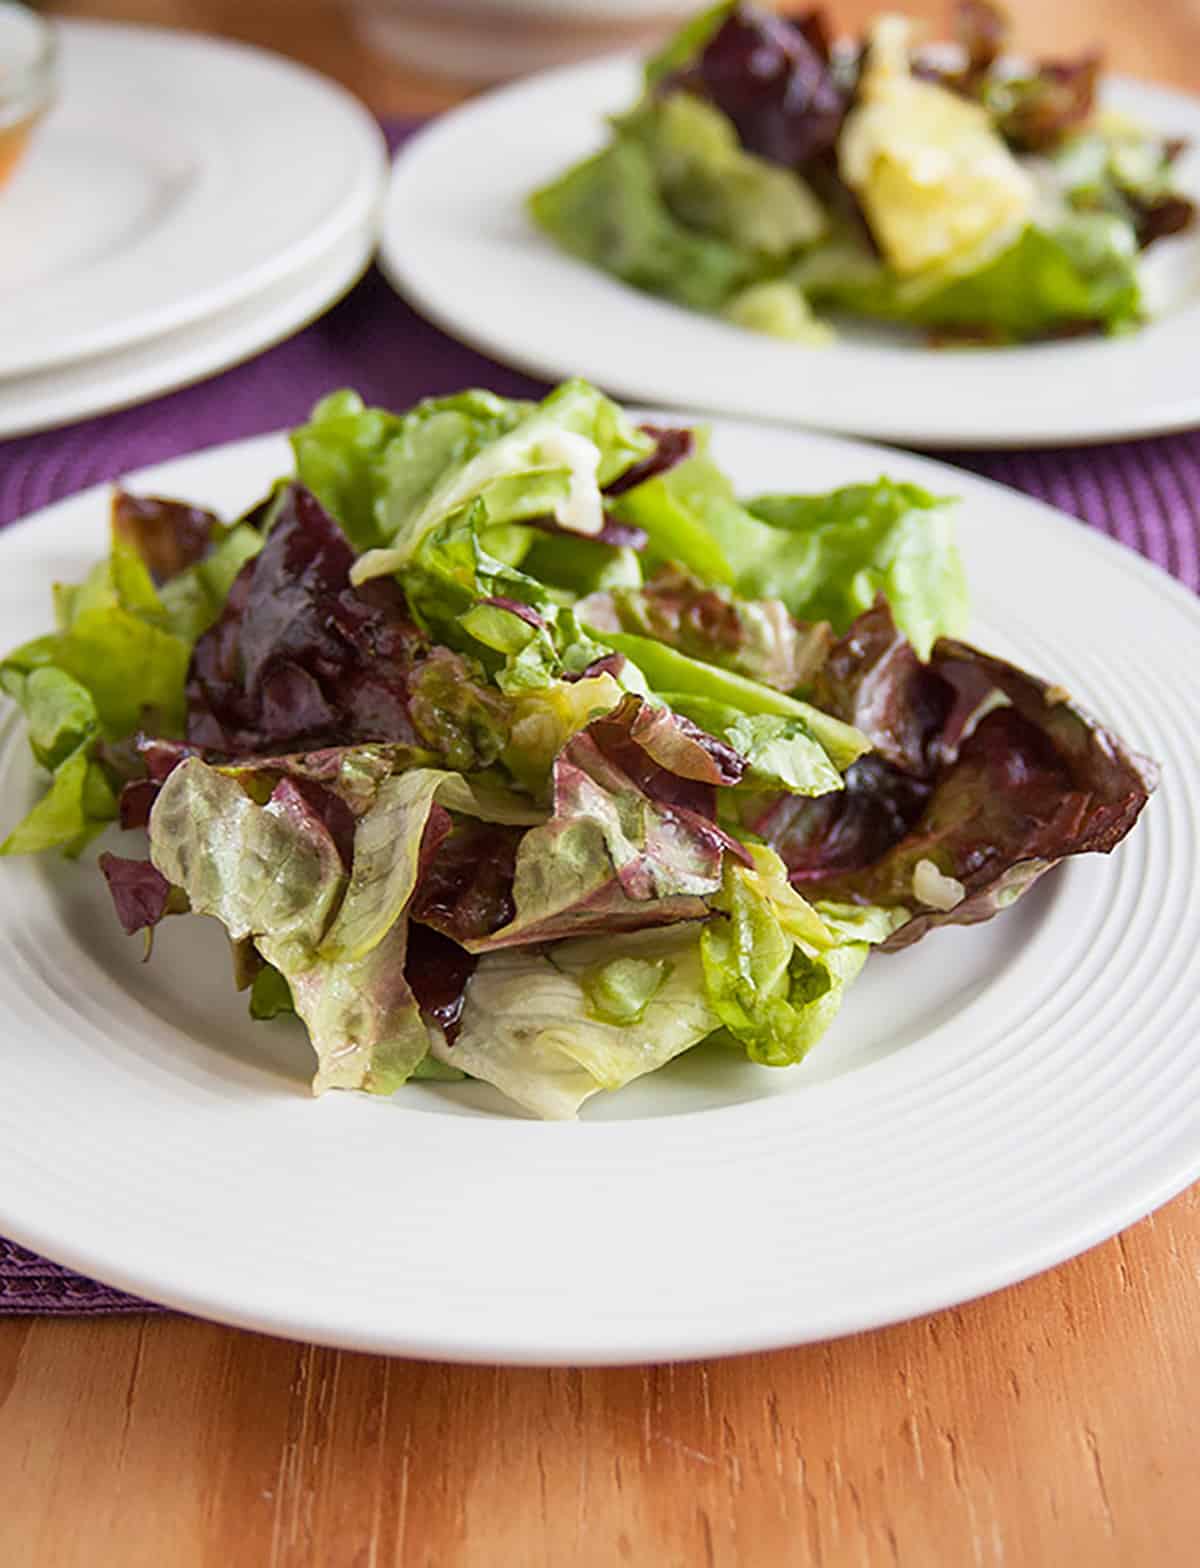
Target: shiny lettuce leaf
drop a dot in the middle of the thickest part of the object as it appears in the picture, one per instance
(668, 670)
(274, 874)
(757, 638)
(830, 556)
(985, 776)
(775, 970)
(301, 660)
(532, 1025)
(824, 557)
(632, 839)
(369, 468)
(554, 461)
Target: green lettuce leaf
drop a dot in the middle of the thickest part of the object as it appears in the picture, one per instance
(782, 754)
(775, 968)
(609, 211)
(79, 804)
(532, 1027)
(1080, 268)
(369, 467)
(833, 554)
(273, 873)
(668, 670)
(117, 662)
(553, 462)
(714, 187)
(823, 556)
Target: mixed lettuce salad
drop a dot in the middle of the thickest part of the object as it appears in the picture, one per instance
(504, 740)
(770, 177)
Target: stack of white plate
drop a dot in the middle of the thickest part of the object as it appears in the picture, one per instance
(187, 203)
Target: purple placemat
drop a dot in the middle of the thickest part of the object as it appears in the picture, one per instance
(1144, 493)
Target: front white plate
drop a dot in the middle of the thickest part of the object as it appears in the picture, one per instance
(989, 1103)
(458, 244)
(176, 176)
(176, 359)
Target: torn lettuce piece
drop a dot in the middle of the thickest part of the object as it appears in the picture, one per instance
(983, 776)
(553, 462)
(774, 970)
(753, 637)
(609, 211)
(273, 873)
(360, 1012)
(79, 804)
(1066, 270)
(529, 1029)
(782, 753)
(823, 556)
(715, 187)
(831, 555)
(370, 467)
(778, 308)
(545, 719)
(668, 670)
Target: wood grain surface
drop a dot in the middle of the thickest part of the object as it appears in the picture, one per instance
(1052, 1425)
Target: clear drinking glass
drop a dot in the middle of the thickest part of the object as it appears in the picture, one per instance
(27, 78)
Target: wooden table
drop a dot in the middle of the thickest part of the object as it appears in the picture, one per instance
(1052, 1425)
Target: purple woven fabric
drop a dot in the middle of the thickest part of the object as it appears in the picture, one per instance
(1144, 493)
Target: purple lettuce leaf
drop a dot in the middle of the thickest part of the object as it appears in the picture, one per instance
(874, 680)
(169, 536)
(984, 778)
(672, 446)
(632, 841)
(753, 637)
(437, 970)
(141, 895)
(298, 657)
(300, 660)
(466, 891)
(772, 79)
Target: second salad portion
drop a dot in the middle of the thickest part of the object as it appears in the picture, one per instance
(506, 741)
(770, 176)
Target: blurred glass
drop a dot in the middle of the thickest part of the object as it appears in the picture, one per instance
(492, 40)
(27, 72)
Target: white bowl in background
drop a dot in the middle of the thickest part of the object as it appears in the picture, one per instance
(492, 40)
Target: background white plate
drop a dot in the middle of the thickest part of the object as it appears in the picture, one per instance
(456, 241)
(177, 176)
(989, 1103)
(176, 359)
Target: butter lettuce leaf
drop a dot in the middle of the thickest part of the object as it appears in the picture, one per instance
(532, 1027)
(775, 969)
(1081, 268)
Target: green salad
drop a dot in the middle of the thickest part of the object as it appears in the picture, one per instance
(507, 742)
(770, 177)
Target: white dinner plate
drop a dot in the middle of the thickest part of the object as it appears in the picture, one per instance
(990, 1102)
(177, 176)
(457, 242)
(176, 359)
